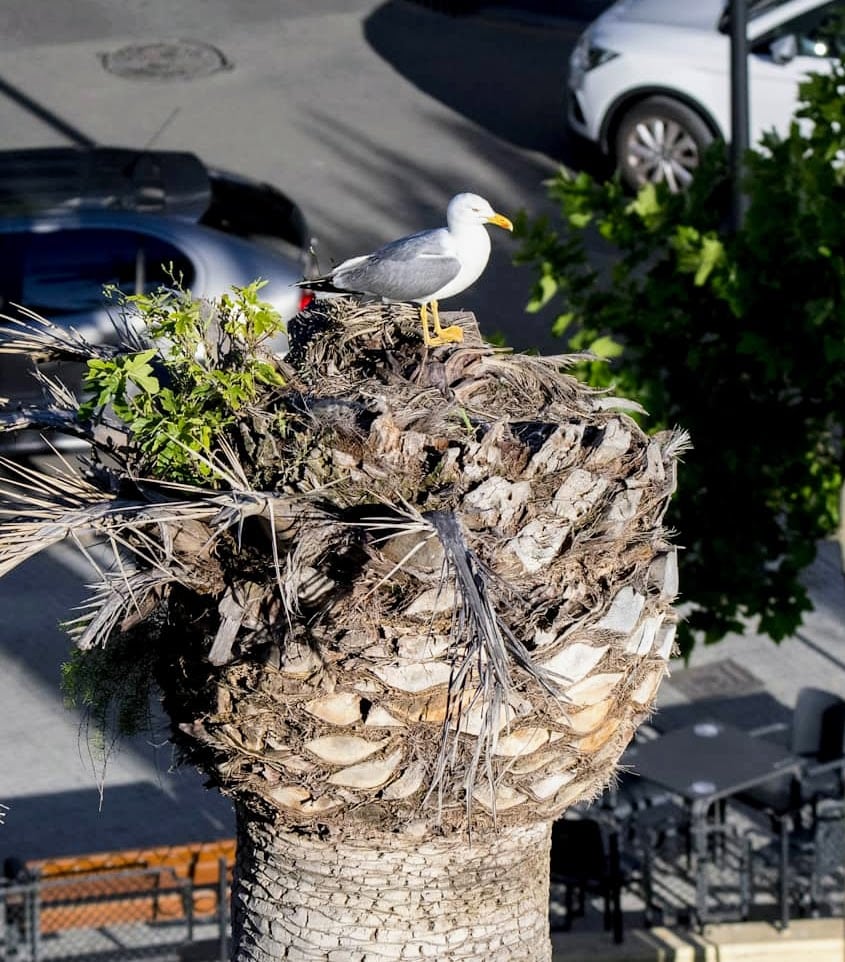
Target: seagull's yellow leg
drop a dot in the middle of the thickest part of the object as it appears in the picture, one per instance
(445, 335)
(424, 321)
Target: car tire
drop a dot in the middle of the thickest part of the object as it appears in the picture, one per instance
(660, 140)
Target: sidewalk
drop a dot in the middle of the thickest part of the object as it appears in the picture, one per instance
(748, 680)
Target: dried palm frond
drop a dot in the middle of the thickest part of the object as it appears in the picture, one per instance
(41, 339)
(120, 601)
(483, 647)
(44, 419)
(426, 587)
(54, 490)
(59, 395)
(678, 444)
(530, 384)
(65, 422)
(21, 540)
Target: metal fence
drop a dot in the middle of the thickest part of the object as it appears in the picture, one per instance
(116, 915)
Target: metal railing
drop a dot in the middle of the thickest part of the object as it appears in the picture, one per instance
(150, 913)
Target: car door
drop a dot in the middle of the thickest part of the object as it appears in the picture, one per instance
(782, 57)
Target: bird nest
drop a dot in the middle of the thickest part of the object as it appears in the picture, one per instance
(429, 592)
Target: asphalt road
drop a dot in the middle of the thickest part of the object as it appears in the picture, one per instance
(371, 115)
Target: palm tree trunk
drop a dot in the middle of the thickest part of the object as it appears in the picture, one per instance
(303, 898)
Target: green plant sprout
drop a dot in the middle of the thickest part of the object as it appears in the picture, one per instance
(179, 396)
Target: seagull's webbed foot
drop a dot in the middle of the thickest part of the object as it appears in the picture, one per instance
(442, 335)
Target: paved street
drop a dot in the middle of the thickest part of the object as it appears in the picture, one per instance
(371, 115)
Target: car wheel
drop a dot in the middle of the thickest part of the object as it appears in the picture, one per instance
(660, 141)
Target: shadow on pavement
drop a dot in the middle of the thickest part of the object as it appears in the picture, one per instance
(135, 815)
(505, 75)
(49, 117)
(144, 800)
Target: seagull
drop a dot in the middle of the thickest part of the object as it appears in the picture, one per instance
(424, 267)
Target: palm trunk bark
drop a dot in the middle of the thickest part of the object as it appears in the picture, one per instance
(303, 898)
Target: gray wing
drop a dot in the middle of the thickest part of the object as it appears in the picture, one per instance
(409, 269)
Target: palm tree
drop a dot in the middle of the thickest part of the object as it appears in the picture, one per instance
(404, 608)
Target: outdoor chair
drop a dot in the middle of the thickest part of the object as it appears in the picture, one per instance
(583, 865)
(817, 734)
(824, 851)
(656, 834)
(816, 862)
(631, 796)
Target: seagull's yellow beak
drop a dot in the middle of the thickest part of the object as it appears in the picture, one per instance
(500, 221)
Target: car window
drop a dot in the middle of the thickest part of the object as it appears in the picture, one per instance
(817, 33)
(64, 271)
(756, 8)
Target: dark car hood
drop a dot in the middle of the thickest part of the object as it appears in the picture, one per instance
(52, 179)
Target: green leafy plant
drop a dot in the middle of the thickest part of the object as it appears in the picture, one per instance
(112, 686)
(738, 337)
(178, 396)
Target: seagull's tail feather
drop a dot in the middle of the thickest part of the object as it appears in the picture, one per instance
(333, 282)
(321, 285)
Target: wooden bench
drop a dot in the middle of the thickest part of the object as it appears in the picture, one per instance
(139, 885)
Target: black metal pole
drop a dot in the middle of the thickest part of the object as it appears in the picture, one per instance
(698, 829)
(34, 899)
(739, 107)
(784, 872)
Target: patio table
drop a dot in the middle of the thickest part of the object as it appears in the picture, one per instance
(703, 764)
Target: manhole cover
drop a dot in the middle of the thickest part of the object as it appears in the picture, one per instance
(721, 679)
(168, 60)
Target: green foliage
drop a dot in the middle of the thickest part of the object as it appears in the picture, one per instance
(112, 685)
(738, 337)
(178, 397)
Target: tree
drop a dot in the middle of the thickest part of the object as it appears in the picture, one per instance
(404, 609)
(709, 327)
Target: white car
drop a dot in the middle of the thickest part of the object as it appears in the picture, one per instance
(649, 80)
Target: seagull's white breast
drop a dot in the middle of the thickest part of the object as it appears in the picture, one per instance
(472, 248)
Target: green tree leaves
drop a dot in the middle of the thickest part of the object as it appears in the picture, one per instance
(180, 396)
(109, 380)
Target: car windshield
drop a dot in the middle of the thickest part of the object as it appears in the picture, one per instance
(755, 9)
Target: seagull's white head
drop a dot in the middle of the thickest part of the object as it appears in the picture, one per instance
(466, 209)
